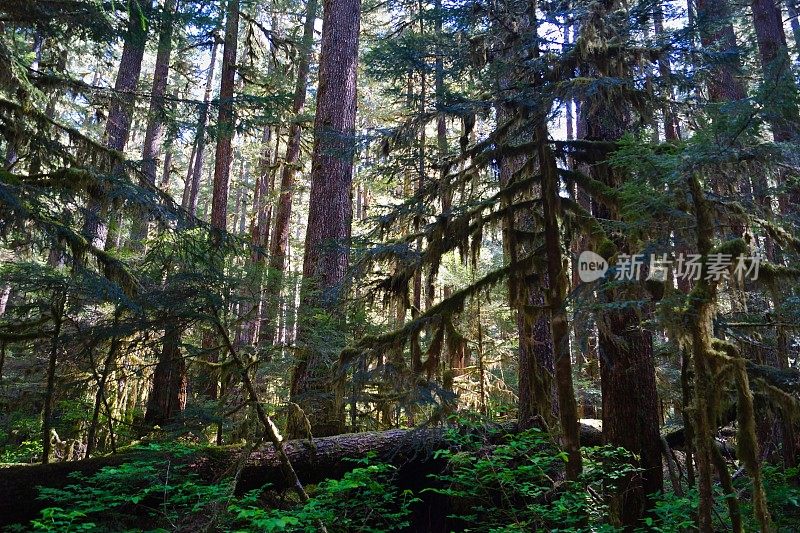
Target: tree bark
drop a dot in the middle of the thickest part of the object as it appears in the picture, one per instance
(776, 68)
(671, 126)
(192, 187)
(57, 309)
(259, 229)
(226, 121)
(536, 370)
(279, 243)
(118, 125)
(630, 400)
(556, 297)
(627, 369)
(327, 243)
(630, 403)
(167, 398)
(716, 32)
(166, 170)
(154, 133)
(781, 111)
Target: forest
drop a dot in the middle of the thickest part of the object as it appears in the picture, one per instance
(400, 265)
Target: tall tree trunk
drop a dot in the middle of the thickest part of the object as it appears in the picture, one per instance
(584, 322)
(153, 137)
(261, 198)
(327, 244)
(269, 208)
(716, 32)
(665, 71)
(556, 298)
(222, 169)
(455, 351)
(258, 233)
(627, 369)
(715, 26)
(279, 243)
(187, 183)
(118, 125)
(537, 392)
(57, 308)
(417, 289)
(630, 404)
(784, 119)
(569, 39)
(226, 121)
(166, 170)
(707, 365)
(167, 398)
(628, 383)
(777, 68)
(192, 189)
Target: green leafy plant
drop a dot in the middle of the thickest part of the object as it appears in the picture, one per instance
(28, 451)
(783, 495)
(365, 499)
(156, 490)
(518, 485)
(673, 513)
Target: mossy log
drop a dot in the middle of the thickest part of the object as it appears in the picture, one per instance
(326, 458)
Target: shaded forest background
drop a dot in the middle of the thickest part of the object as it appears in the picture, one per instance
(333, 248)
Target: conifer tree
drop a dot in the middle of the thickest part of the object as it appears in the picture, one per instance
(279, 242)
(100, 225)
(327, 242)
(153, 139)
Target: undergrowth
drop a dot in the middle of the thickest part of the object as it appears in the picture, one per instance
(515, 484)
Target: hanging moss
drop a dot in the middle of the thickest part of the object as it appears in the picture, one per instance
(747, 445)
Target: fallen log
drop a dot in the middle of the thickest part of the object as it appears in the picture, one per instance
(326, 458)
